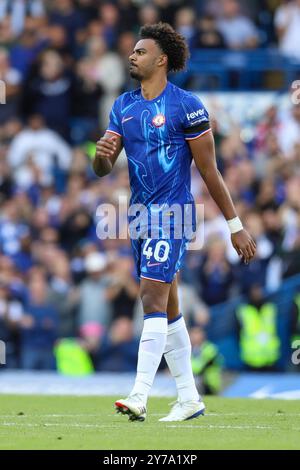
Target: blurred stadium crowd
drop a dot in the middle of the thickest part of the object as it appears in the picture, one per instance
(64, 62)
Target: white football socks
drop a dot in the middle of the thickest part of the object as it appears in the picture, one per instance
(178, 357)
(151, 349)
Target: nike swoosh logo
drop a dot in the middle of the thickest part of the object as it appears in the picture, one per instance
(152, 264)
(126, 119)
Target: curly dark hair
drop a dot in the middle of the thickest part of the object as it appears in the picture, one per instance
(171, 43)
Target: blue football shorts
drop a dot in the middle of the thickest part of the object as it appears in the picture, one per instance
(159, 259)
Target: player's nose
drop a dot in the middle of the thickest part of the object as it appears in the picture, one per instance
(132, 58)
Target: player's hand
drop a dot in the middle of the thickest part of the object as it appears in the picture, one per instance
(106, 147)
(244, 245)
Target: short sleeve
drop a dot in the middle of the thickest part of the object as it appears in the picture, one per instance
(195, 121)
(114, 126)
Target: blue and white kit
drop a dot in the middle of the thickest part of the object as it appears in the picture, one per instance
(155, 135)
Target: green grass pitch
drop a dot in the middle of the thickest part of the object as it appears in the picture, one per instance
(60, 422)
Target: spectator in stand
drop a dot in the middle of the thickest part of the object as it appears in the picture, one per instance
(148, 13)
(167, 9)
(119, 348)
(86, 102)
(6, 32)
(12, 278)
(48, 90)
(38, 328)
(25, 51)
(40, 145)
(216, 275)
(290, 211)
(105, 68)
(207, 35)
(126, 45)
(256, 324)
(123, 290)
(18, 10)
(12, 228)
(94, 307)
(258, 270)
(287, 23)
(128, 12)
(6, 186)
(238, 30)
(109, 16)
(206, 363)
(55, 37)
(61, 294)
(11, 312)
(289, 132)
(12, 79)
(87, 9)
(77, 225)
(23, 259)
(295, 320)
(185, 24)
(64, 13)
(195, 311)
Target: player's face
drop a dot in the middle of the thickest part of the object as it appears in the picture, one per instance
(145, 59)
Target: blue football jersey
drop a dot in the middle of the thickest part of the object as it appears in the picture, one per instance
(155, 135)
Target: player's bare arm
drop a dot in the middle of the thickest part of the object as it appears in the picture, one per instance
(203, 151)
(108, 149)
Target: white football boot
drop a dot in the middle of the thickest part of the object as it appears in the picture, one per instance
(132, 406)
(183, 411)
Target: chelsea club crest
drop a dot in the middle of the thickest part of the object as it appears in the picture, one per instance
(159, 120)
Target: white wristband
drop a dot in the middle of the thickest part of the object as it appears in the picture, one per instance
(235, 225)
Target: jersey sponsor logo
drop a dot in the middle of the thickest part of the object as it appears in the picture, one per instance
(159, 120)
(198, 121)
(195, 114)
(150, 265)
(126, 119)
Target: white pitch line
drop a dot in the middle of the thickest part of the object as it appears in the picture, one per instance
(53, 415)
(100, 415)
(216, 426)
(74, 425)
(271, 414)
(117, 426)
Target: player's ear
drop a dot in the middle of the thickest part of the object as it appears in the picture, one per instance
(163, 59)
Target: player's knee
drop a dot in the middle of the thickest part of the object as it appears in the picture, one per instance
(152, 304)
